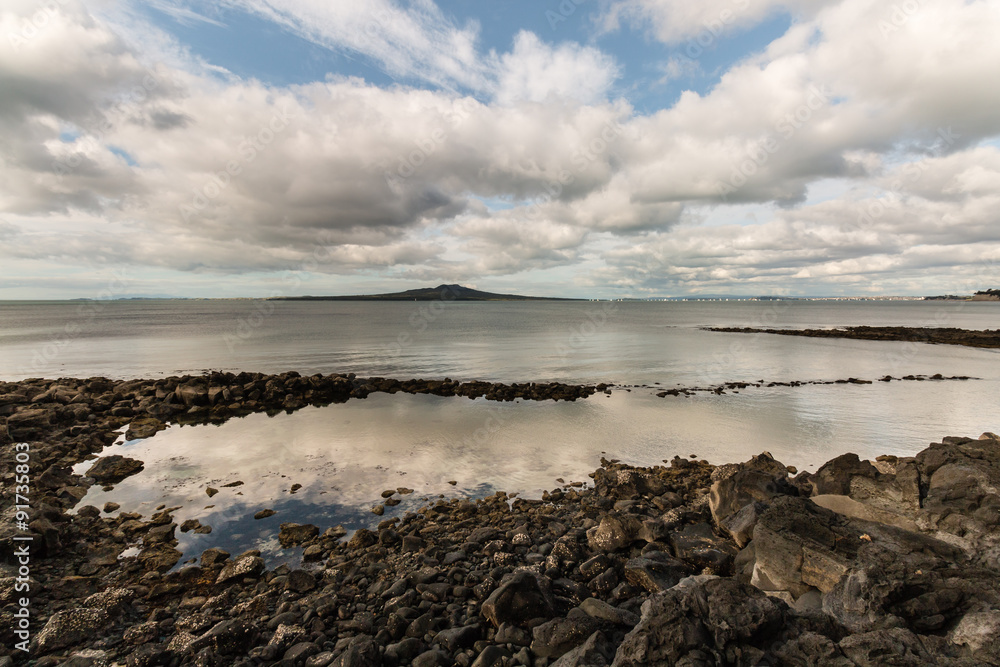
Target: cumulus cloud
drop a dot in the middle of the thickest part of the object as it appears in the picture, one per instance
(176, 165)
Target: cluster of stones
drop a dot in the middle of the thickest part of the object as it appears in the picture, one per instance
(937, 335)
(859, 563)
(737, 386)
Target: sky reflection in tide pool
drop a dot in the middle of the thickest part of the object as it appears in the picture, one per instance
(345, 455)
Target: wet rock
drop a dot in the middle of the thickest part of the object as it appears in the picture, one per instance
(263, 514)
(144, 427)
(210, 491)
(294, 534)
(113, 469)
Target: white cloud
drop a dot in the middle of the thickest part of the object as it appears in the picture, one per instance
(536, 72)
(175, 166)
(674, 21)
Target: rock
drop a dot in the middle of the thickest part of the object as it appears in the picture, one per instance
(361, 652)
(294, 534)
(978, 630)
(210, 491)
(615, 532)
(603, 611)
(740, 525)
(298, 653)
(454, 639)
(519, 598)
(597, 651)
(110, 507)
(871, 649)
(708, 623)
(300, 581)
(228, 637)
(362, 539)
(432, 658)
(697, 544)
(554, 638)
(263, 514)
(728, 496)
(835, 476)
(212, 556)
(70, 627)
(656, 571)
(244, 566)
(113, 469)
(144, 427)
(491, 656)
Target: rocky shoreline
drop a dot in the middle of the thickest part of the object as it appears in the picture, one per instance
(988, 338)
(895, 561)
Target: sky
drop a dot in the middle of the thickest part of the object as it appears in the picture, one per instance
(583, 148)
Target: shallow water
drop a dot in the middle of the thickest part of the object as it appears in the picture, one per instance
(344, 455)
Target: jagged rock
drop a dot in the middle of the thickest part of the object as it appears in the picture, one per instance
(718, 621)
(597, 651)
(835, 476)
(698, 544)
(740, 525)
(113, 469)
(728, 496)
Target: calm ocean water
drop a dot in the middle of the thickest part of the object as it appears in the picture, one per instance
(344, 455)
